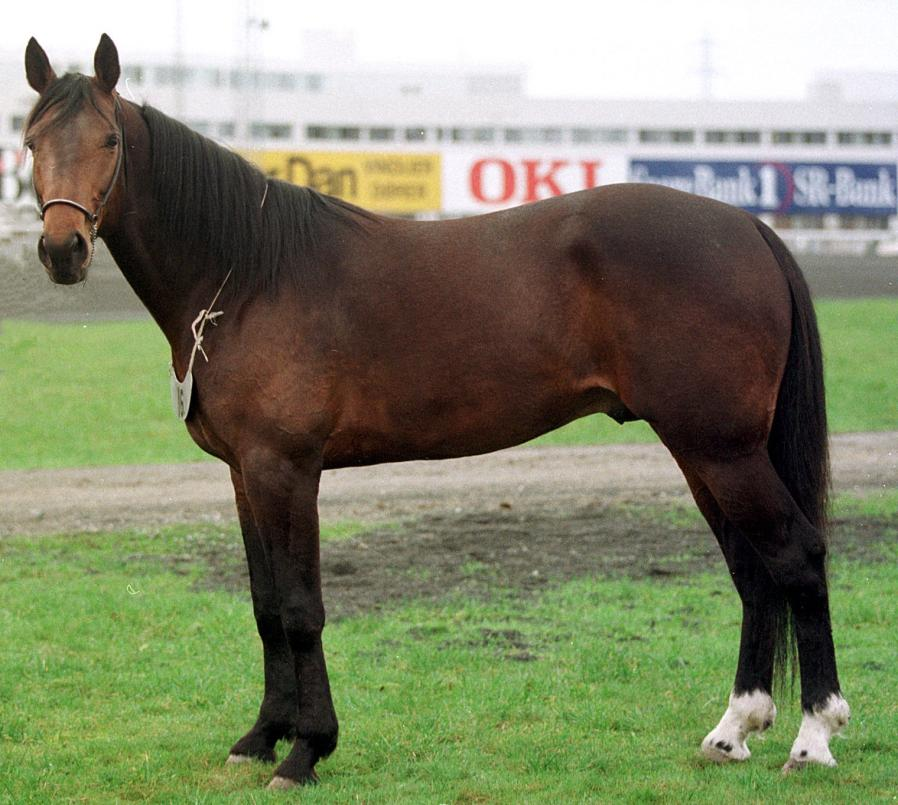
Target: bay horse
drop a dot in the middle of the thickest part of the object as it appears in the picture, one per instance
(347, 338)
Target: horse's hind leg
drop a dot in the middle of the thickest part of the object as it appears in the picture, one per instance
(752, 497)
(277, 713)
(751, 708)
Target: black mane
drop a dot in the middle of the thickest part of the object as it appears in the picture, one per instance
(226, 212)
(221, 211)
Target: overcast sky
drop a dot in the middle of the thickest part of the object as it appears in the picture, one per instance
(567, 48)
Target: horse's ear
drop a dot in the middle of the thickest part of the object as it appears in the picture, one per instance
(37, 67)
(106, 66)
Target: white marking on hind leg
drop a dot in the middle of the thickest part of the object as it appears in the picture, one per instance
(817, 727)
(746, 713)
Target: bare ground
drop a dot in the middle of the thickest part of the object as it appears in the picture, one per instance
(518, 519)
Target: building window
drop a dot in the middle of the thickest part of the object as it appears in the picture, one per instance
(666, 136)
(227, 129)
(17, 122)
(280, 82)
(799, 137)
(586, 136)
(416, 134)
(333, 133)
(270, 131)
(474, 135)
(382, 135)
(175, 76)
(211, 77)
(314, 82)
(732, 137)
(872, 138)
(133, 73)
(533, 136)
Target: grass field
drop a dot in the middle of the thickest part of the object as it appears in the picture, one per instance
(127, 670)
(80, 395)
(126, 676)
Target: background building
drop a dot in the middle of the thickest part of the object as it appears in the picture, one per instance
(458, 142)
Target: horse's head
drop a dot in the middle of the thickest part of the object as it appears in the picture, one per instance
(74, 132)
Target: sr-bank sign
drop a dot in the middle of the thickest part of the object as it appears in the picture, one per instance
(785, 187)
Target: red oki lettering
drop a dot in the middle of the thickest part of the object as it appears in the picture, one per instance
(506, 186)
(534, 180)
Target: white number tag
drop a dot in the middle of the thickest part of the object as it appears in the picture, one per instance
(181, 393)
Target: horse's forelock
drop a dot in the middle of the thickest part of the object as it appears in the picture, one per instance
(66, 96)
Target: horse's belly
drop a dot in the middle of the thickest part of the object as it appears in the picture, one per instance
(467, 425)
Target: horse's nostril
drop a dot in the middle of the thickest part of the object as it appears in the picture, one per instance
(42, 251)
(79, 245)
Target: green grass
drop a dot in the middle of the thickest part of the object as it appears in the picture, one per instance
(860, 343)
(80, 395)
(123, 679)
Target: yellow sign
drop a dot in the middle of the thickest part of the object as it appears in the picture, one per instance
(383, 182)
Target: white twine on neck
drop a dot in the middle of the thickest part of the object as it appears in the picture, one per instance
(199, 324)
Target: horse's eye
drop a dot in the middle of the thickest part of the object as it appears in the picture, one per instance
(112, 141)
(29, 144)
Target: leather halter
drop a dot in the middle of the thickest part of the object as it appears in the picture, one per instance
(94, 217)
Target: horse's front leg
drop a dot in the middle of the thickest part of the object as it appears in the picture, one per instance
(277, 713)
(283, 497)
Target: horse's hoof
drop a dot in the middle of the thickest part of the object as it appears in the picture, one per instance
(234, 760)
(797, 764)
(811, 747)
(279, 783)
(724, 751)
(804, 758)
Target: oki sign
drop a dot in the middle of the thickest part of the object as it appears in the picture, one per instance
(531, 179)
(475, 182)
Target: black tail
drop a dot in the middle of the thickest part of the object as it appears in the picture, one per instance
(798, 441)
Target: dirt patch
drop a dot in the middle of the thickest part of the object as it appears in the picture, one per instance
(482, 554)
(557, 479)
(515, 521)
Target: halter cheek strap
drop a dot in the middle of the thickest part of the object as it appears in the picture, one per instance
(94, 217)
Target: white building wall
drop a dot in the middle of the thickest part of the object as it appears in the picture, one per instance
(496, 147)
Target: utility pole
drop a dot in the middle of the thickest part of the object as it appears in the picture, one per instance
(706, 67)
(252, 107)
(179, 72)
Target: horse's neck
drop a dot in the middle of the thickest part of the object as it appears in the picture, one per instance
(170, 291)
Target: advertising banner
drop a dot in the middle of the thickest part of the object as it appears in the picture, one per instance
(15, 176)
(792, 188)
(480, 180)
(383, 182)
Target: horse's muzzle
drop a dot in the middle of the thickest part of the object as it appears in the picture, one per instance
(66, 258)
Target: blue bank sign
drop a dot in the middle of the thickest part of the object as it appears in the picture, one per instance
(784, 187)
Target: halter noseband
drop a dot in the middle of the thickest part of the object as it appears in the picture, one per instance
(94, 217)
